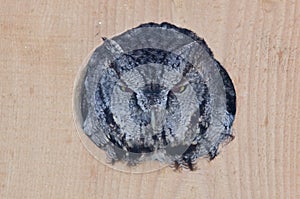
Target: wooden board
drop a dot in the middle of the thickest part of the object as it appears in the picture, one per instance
(42, 46)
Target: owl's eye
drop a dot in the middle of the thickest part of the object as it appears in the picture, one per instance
(179, 89)
(125, 89)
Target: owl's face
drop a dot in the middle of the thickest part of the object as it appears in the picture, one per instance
(153, 104)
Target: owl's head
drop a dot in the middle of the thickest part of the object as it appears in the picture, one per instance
(156, 91)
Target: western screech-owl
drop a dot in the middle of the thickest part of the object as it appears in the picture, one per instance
(156, 92)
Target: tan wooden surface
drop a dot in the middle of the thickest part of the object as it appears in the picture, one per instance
(42, 45)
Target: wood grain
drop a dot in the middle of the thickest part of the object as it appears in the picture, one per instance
(42, 46)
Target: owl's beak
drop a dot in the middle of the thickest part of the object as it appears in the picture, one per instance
(157, 118)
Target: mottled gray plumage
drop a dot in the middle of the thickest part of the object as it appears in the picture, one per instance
(156, 92)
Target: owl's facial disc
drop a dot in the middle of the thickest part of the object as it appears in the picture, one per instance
(152, 109)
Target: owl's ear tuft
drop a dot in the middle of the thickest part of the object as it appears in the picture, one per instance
(185, 50)
(111, 45)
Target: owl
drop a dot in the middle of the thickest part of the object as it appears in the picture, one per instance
(156, 92)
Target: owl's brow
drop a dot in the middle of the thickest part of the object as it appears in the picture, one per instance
(123, 82)
(182, 82)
